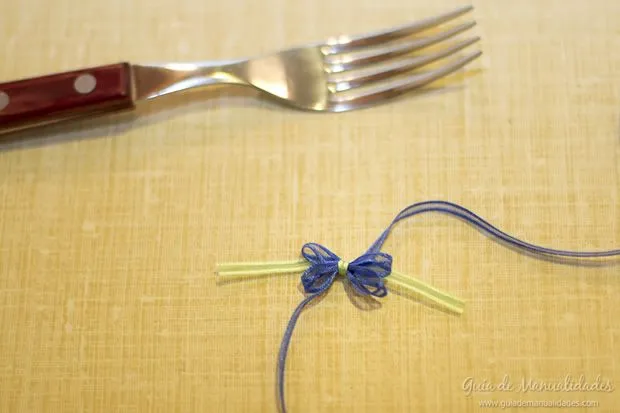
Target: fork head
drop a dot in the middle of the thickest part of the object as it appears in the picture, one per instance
(350, 72)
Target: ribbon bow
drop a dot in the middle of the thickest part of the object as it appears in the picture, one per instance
(368, 273)
(365, 273)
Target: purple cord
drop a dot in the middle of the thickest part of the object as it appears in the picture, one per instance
(367, 272)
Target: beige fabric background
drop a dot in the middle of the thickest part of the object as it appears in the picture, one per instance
(110, 233)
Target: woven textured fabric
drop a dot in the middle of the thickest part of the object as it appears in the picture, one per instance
(110, 230)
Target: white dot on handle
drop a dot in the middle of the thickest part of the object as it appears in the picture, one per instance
(85, 84)
(4, 100)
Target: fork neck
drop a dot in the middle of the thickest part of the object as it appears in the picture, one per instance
(154, 80)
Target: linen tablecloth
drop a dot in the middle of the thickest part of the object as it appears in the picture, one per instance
(111, 229)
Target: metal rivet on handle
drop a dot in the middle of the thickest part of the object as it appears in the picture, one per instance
(4, 100)
(85, 84)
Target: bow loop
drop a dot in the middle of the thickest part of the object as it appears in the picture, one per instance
(323, 269)
(365, 273)
(318, 278)
(317, 254)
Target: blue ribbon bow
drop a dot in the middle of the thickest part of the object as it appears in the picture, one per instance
(365, 273)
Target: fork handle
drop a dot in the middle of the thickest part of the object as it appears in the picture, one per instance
(48, 99)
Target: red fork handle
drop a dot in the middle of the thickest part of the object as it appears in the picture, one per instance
(77, 94)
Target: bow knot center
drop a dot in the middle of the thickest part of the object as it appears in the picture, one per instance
(343, 267)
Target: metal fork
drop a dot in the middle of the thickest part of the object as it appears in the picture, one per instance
(339, 74)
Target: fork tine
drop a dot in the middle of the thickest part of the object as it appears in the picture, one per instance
(385, 90)
(340, 82)
(339, 63)
(347, 43)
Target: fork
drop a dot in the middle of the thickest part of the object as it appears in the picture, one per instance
(340, 74)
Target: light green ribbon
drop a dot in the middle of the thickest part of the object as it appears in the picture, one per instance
(395, 280)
